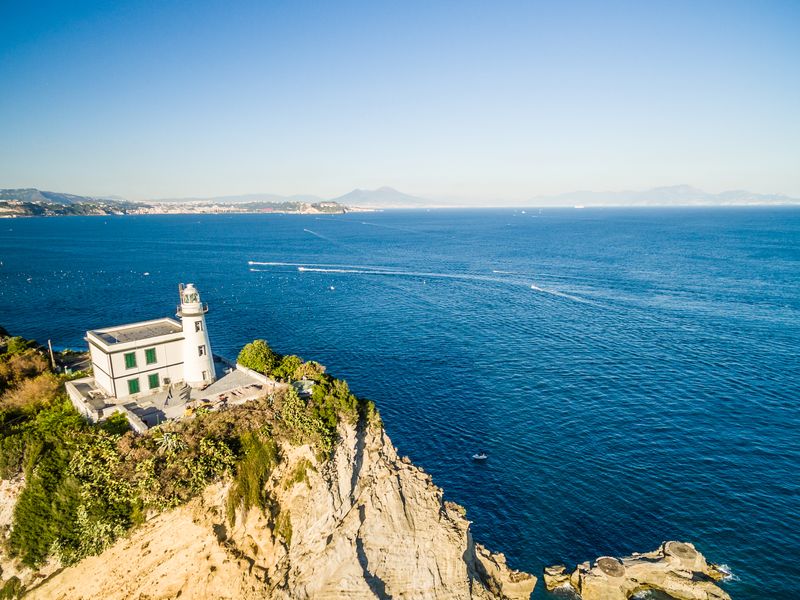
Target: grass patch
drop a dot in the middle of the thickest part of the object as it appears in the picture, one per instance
(299, 474)
(283, 527)
(259, 457)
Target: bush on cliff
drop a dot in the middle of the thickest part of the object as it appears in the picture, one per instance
(18, 345)
(85, 485)
(17, 367)
(288, 367)
(257, 355)
(259, 457)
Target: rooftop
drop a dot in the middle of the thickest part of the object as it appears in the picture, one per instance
(231, 388)
(135, 332)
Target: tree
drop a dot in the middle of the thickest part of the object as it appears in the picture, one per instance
(310, 370)
(288, 368)
(18, 345)
(257, 355)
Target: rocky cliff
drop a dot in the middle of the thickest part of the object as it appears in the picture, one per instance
(675, 568)
(364, 524)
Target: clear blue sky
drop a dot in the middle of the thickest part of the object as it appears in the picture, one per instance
(448, 99)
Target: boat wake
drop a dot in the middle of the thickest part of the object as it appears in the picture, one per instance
(345, 269)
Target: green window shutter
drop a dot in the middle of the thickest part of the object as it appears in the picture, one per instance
(130, 360)
(153, 380)
(133, 386)
(150, 356)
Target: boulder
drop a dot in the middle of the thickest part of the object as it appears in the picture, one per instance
(555, 577)
(676, 568)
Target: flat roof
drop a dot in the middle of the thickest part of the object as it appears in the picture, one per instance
(135, 332)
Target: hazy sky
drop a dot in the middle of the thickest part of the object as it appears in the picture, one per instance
(461, 99)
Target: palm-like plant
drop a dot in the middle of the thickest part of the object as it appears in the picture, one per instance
(169, 442)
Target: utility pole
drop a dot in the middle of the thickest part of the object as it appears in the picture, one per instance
(52, 356)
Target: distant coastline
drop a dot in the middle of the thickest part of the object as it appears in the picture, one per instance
(31, 202)
(36, 203)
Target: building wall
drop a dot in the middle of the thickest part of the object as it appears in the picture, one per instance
(101, 366)
(197, 368)
(167, 353)
(174, 374)
(112, 373)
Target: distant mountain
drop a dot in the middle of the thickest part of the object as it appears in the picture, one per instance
(41, 197)
(26, 202)
(675, 195)
(384, 197)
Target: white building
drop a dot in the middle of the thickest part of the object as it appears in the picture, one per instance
(141, 358)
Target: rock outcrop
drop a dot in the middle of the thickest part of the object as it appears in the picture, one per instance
(365, 524)
(676, 568)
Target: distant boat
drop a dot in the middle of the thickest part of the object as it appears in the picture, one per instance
(481, 456)
(579, 206)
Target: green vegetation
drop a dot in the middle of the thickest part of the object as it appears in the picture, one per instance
(283, 526)
(257, 355)
(11, 589)
(259, 457)
(86, 484)
(287, 368)
(299, 474)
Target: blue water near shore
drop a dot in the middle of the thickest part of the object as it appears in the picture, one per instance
(634, 375)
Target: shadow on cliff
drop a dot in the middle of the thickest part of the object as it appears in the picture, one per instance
(375, 583)
(358, 459)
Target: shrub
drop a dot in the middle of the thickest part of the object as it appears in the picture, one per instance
(46, 510)
(304, 424)
(310, 370)
(260, 455)
(257, 355)
(116, 424)
(299, 474)
(11, 589)
(18, 345)
(283, 526)
(30, 394)
(288, 367)
(371, 414)
(16, 367)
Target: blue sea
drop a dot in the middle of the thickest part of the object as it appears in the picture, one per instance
(633, 375)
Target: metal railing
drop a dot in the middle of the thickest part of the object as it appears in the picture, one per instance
(203, 310)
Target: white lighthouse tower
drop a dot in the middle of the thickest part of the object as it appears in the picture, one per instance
(198, 363)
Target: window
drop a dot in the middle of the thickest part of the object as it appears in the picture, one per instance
(150, 356)
(205, 375)
(133, 386)
(198, 326)
(201, 350)
(153, 381)
(130, 360)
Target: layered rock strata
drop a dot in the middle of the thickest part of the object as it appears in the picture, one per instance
(365, 524)
(676, 568)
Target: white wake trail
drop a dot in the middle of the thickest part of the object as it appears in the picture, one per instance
(387, 271)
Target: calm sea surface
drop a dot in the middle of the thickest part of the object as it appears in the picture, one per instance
(634, 375)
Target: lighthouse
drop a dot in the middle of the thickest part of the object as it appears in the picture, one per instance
(198, 362)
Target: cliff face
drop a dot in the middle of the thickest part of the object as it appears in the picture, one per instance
(365, 524)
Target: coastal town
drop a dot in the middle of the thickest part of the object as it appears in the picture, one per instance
(30, 202)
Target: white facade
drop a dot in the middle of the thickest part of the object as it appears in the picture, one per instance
(142, 358)
(198, 364)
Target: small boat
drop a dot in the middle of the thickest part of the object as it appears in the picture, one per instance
(481, 456)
